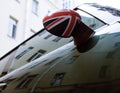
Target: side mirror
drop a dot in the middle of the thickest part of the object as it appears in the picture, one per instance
(82, 33)
(66, 23)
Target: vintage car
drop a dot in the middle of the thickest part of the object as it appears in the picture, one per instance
(93, 67)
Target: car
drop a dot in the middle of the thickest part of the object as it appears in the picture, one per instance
(93, 67)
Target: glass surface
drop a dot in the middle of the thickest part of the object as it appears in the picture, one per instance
(90, 21)
(31, 49)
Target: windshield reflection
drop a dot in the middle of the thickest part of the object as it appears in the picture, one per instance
(90, 21)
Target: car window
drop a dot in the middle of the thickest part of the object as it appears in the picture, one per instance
(90, 21)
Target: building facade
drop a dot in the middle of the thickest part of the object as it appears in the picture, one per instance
(21, 19)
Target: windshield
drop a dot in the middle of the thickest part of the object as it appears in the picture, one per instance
(34, 47)
(90, 21)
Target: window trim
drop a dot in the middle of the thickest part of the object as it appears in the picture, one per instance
(12, 27)
(57, 79)
(48, 36)
(57, 39)
(26, 82)
(24, 52)
(35, 8)
(37, 55)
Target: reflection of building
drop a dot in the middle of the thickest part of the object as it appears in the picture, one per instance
(64, 4)
(36, 47)
(57, 79)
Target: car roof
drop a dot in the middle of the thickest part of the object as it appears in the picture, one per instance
(107, 14)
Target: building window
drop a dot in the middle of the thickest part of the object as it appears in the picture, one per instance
(57, 80)
(35, 6)
(48, 36)
(18, 1)
(24, 52)
(103, 71)
(53, 61)
(72, 59)
(42, 33)
(66, 4)
(12, 27)
(25, 83)
(57, 39)
(36, 55)
(32, 32)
